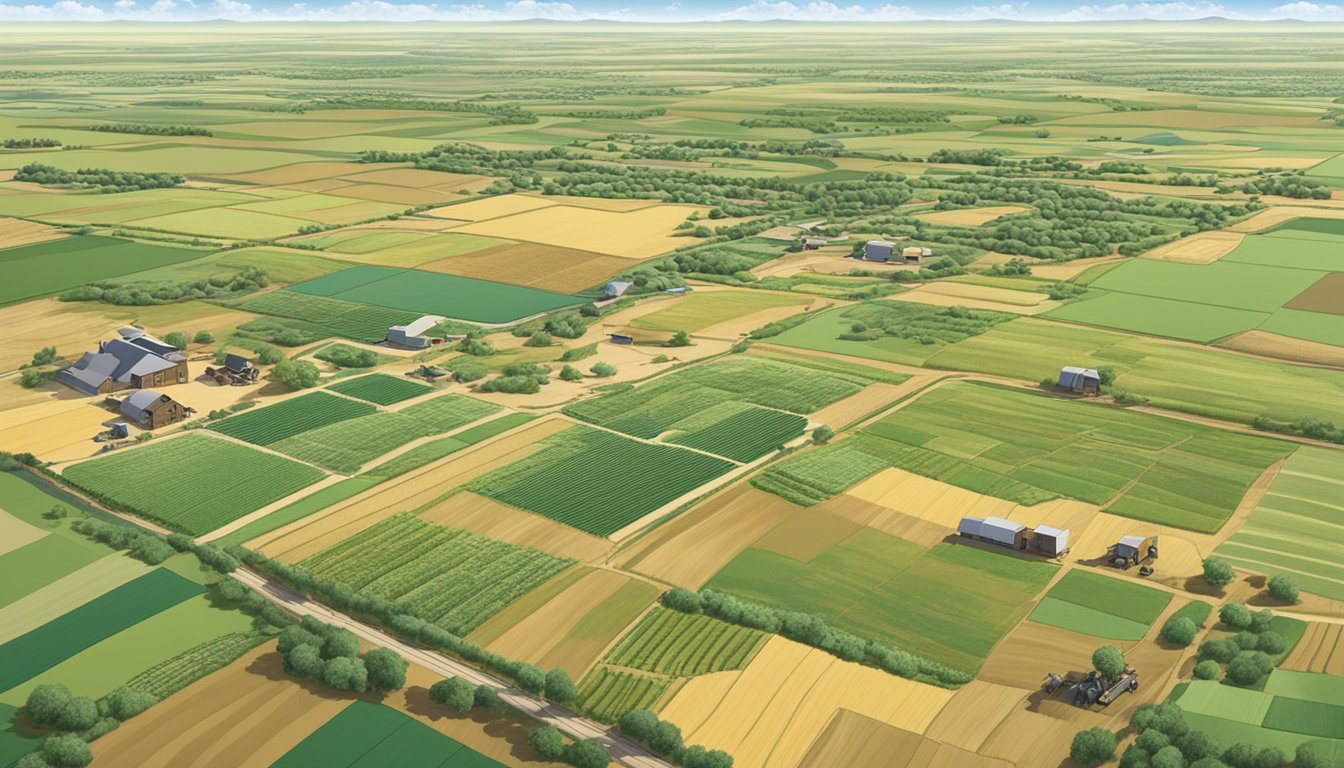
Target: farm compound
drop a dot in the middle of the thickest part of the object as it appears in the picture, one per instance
(134, 360)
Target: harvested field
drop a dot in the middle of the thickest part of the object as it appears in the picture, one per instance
(1320, 650)
(535, 265)
(1268, 344)
(573, 628)
(697, 311)
(942, 298)
(862, 742)
(490, 207)
(16, 232)
(193, 484)
(1025, 654)
(794, 691)
(488, 517)
(418, 487)
(1271, 217)
(637, 234)
(865, 402)
(453, 578)
(1324, 295)
(1201, 248)
(807, 534)
(973, 713)
(987, 293)
(970, 217)
(1020, 736)
(927, 499)
(691, 548)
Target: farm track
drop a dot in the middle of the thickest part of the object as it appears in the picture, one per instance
(622, 750)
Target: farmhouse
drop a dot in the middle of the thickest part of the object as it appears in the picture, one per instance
(616, 288)
(137, 360)
(878, 250)
(411, 335)
(151, 410)
(915, 254)
(1084, 381)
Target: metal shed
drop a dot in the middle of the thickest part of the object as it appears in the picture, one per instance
(994, 530)
(878, 250)
(1081, 380)
(412, 335)
(1049, 541)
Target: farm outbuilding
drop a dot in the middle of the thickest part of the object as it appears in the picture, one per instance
(1133, 550)
(1051, 542)
(151, 410)
(994, 530)
(813, 243)
(236, 370)
(629, 334)
(412, 335)
(878, 250)
(1084, 381)
(915, 254)
(137, 360)
(616, 288)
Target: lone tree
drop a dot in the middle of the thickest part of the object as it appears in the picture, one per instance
(1283, 589)
(547, 741)
(1218, 572)
(559, 688)
(1093, 746)
(454, 693)
(679, 339)
(1109, 661)
(822, 434)
(387, 670)
(1179, 630)
(603, 370)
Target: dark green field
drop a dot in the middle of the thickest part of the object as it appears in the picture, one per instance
(43, 268)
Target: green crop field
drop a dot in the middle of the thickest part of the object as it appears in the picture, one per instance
(193, 484)
(884, 588)
(606, 694)
(310, 504)
(361, 322)
(463, 298)
(434, 450)
(380, 388)
(1310, 244)
(34, 652)
(701, 310)
(673, 643)
(597, 481)
(172, 675)
(1295, 529)
(367, 734)
(738, 431)
(453, 578)
(273, 423)
(1285, 714)
(347, 445)
(894, 331)
(1098, 605)
(43, 268)
(1243, 387)
(650, 409)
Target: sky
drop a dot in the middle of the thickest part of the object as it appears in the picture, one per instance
(661, 10)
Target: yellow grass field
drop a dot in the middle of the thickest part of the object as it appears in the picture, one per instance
(59, 428)
(792, 692)
(339, 521)
(973, 713)
(296, 173)
(535, 265)
(927, 499)
(970, 217)
(808, 534)
(15, 232)
(490, 207)
(488, 517)
(416, 178)
(1285, 348)
(1201, 248)
(637, 234)
(14, 533)
(979, 297)
(1321, 650)
(573, 629)
(693, 547)
(851, 739)
(702, 309)
(1271, 217)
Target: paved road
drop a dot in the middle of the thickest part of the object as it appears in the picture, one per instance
(622, 750)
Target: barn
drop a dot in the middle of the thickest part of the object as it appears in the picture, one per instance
(1083, 381)
(878, 250)
(994, 530)
(411, 335)
(136, 360)
(150, 410)
(1051, 542)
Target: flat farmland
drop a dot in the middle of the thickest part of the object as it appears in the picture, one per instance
(372, 734)
(894, 331)
(380, 388)
(972, 436)
(953, 604)
(1098, 605)
(606, 694)
(669, 642)
(738, 432)
(396, 248)
(1295, 529)
(361, 322)
(434, 293)
(192, 484)
(16, 232)
(637, 234)
(455, 579)
(273, 423)
(55, 265)
(535, 265)
(596, 467)
(698, 311)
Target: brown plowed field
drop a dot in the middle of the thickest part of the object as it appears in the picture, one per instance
(1324, 295)
(488, 517)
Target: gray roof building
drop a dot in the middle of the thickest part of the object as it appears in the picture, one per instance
(1079, 379)
(615, 288)
(412, 335)
(123, 361)
(136, 407)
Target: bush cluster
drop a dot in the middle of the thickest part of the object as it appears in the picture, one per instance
(320, 651)
(144, 546)
(664, 739)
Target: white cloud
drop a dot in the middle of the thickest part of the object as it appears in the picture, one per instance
(1309, 11)
(818, 10)
(1169, 11)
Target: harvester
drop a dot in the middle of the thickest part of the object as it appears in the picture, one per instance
(236, 371)
(1093, 689)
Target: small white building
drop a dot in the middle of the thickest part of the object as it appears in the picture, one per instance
(411, 335)
(878, 250)
(915, 253)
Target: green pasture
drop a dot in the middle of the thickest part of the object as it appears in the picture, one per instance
(1307, 244)
(193, 484)
(67, 592)
(1310, 326)
(896, 331)
(1295, 529)
(883, 588)
(380, 388)
(41, 649)
(1099, 605)
(43, 268)
(1086, 620)
(1273, 717)
(1173, 318)
(400, 249)
(1229, 386)
(366, 735)
(361, 322)
(464, 298)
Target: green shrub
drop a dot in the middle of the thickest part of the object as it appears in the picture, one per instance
(1248, 667)
(1218, 572)
(1093, 746)
(1283, 589)
(559, 687)
(1235, 616)
(454, 693)
(603, 370)
(1109, 661)
(547, 741)
(1208, 670)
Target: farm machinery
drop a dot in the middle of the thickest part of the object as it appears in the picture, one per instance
(236, 371)
(1093, 688)
(1134, 550)
(428, 372)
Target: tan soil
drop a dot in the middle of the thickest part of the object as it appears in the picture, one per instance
(637, 234)
(1201, 248)
(868, 400)
(1321, 649)
(488, 517)
(970, 217)
(552, 268)
(16, 232)
(974, 712)
(383, 193)
(692, 547)
(1325, 295)
(1286, 348)
(807, 534)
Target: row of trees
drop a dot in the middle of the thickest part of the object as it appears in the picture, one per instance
(102, 179)
(665, 740)
(77, 720)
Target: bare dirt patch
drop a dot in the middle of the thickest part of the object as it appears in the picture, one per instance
(1325, 295)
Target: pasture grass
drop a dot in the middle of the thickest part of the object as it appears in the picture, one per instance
(697, 311)
(366, 733)
(352, 320)
(193, 484)
(1099, 605)
(45, 268)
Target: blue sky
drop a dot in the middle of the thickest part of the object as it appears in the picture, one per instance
(661, 10)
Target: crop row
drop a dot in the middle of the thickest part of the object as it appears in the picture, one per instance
(452, 578)
(274, 423)
(746, 435)
(361, 322)
(193, 484)
(683, 644)
(380, 388)
(597, 481)
(607, 694)
(172, 675)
